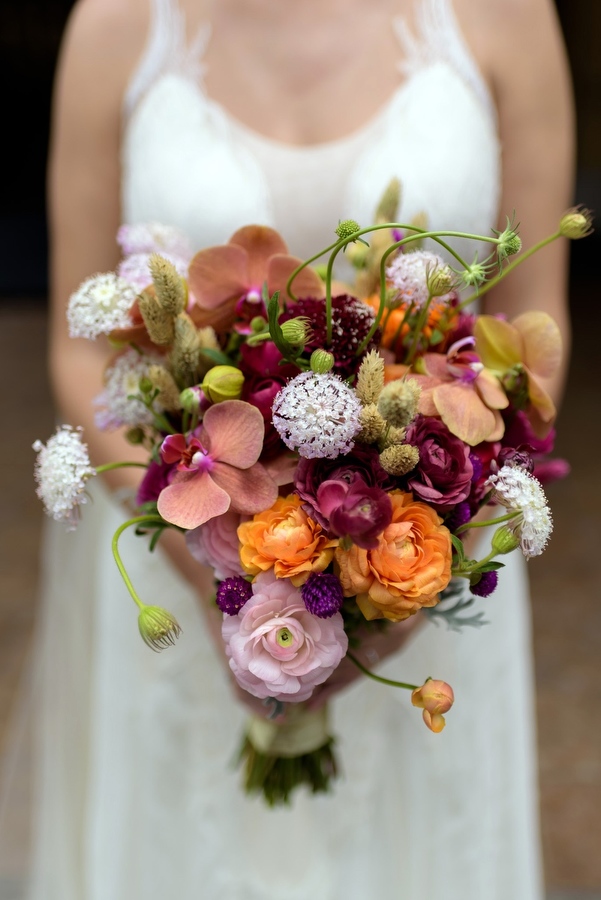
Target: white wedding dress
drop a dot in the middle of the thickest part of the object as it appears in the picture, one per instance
(137, 795)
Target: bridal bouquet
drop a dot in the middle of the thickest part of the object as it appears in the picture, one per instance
(324, 447)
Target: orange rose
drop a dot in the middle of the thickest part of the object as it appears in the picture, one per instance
(286, 540)
(408, 568)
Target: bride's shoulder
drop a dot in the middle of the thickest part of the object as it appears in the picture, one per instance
(103, 41)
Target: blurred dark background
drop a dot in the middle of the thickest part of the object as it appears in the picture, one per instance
(566, 588)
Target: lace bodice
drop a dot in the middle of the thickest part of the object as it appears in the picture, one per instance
(188, 162)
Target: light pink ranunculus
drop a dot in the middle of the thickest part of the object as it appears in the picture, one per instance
(216, 544)
(277, 648)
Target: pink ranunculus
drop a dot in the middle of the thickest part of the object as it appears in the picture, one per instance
(277, 648)
(216, 544)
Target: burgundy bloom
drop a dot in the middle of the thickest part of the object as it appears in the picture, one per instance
(355, 510)
(443, 475)
(351, 320)
(156, 478)
(263, 380)
(362, 461)
(518, 432)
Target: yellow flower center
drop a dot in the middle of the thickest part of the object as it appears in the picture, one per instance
(284, 637)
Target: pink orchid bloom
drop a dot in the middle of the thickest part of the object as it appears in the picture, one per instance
(229, 278)
(532, 341)
(458, 389)
(217, 468)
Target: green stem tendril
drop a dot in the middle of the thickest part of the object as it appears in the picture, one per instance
(487, 522)
(466, 571)
(137, 520)
(399, 684)
(108, 467)
(483, 289)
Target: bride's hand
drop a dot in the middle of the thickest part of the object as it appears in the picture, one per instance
(373, 649)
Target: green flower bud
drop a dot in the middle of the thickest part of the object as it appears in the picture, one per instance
(504, 540)
(321, 361)
(223, 383)
(146, 386)
(357, 253)
(346, 228)
(159, 629)
(134, 436)
(509, 242)
(258, 324)
(439, 281)
(576, 223)
(474, 275)
(190, 399)
(296, 331)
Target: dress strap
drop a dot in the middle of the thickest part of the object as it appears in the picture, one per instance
(438, 37)
(167, 50)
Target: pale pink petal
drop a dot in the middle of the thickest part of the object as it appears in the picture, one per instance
(498, 344)
(542, 342)
(235, 431)
(499, 429)
(435, 365)
(260, 243)
(251, 490)
(306, 284)
(491, 391)
(190, 501)
(542, 410)
(217, 274)
(282, 469)
(464, 413)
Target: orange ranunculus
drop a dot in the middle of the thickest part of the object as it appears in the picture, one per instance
(408, 568)
(285, 539)
(435, 698)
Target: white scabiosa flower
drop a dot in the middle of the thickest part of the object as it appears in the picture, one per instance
(318, 415)
(514, 488)
(117, 404)
(101, 304)
(409, 272)
(62, 469)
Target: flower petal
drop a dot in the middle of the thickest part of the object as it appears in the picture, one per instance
(217, 274)
(464, 413)
(259, 243)
(542, 412)
(498, 344)
(235, 430)
(306, 284)
(251, 490)
(489, 388)
(189, 502)
(542, 342)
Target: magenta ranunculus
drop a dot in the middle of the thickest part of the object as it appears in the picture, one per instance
(263, 380)
(216, 544)
(362, 461)
(277, 648)
(156, 478)
(355, 510)
(443, 475)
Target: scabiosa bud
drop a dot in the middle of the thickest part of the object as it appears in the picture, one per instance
(576, 223)
(439, 280)
(346, 228)
(159, 629)
(321, 361)
(483, 585)
(504, 540)
(297, 331)
(474, 275)
(322, 594)
(232, 594)
(510, 242)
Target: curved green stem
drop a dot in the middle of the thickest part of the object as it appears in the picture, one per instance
(137, 520)
(107, 467)
(487, 522)
(399, 684)
(469, 570)
(509, 268)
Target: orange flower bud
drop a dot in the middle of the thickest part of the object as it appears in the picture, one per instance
(435, 698)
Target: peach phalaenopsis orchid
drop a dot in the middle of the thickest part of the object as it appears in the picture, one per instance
(221, 278)
(435, 698)
(531, 342)
(217, 467)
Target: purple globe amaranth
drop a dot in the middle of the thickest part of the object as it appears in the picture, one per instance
(232, 594)
(362, 461)
(322, 594)
(443, 475)
(355, 510)
(486, 584)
